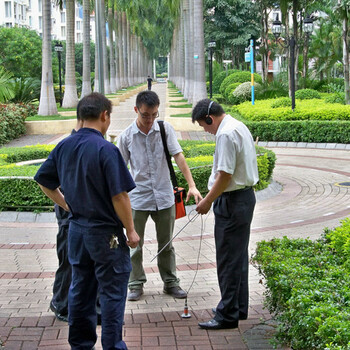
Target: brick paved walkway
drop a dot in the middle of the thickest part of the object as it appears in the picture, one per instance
(302, 201)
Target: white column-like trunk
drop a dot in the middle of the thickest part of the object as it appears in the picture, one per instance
(86, 88)
(70, 99)
(47, 105)
(111, 50)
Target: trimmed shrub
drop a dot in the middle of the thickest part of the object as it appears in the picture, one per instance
(338, 97)
(243, 92)
(282, 102)
(307, 94)
(238, 77)
(308, 288)
(219, 78)
(229, 90)
(20, 154)
(12, 119)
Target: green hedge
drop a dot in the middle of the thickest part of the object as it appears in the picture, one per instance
(25, 194)
(308, 288)
(314, 109)
(301, 131)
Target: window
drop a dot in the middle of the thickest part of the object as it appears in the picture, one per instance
(40, 22)
(63, 32)
(30, 4)
(8, 25)
(8, 12)
(30, 21)
(78, 25)
(40, 5)
(79, 38)
(63, 17)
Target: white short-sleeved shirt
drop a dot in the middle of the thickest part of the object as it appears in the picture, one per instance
(234, 154)
(148, 165)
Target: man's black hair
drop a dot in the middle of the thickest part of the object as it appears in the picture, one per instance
(91, 106)
(200, 111)
(148, 98)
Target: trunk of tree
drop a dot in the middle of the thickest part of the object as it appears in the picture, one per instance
(186, 47)
(111, 50)
(107, 86)
(47, 105)
(346, 58)
(116, 52)
(125, 49)
(70, 99)
(296, 36)
(199, 89)
(265, 43)
(86, 88)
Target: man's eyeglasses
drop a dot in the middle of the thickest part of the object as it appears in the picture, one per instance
(153, 116)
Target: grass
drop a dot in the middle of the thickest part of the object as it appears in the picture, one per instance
(187, 115)
(179, 101)
(49, 117)
(187, 105)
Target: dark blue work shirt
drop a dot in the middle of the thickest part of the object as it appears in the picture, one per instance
(90, 171)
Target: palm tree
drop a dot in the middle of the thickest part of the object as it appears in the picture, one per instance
(70, 98)
(47, 105)
(6, 90)
(199, 88)
(86, 89)
(111, 46)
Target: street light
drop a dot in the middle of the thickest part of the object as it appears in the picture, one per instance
(291, 42)
(59, 49)
(211, 46)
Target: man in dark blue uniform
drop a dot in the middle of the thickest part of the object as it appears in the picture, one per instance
(95, 181)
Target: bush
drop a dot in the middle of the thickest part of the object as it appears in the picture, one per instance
(338, 97)
(26, 90)
(238, 77)
(25, 194)
(307, 94)
(282, 102)
(219, 78)
(308, 288)
(276, 88)
(243, 92)
(12, 118)
(229, 90)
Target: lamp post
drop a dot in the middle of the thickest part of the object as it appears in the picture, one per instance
(291, 43)
(211, 46)
(59, 49)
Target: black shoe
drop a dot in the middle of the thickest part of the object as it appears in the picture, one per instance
(175, 292)
(135, 294)
(59, 316)
(242, 316)
(213, 324)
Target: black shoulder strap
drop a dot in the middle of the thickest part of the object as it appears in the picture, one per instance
(168, 158)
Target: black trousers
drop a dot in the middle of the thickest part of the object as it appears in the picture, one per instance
(63, 275)
(233, 216)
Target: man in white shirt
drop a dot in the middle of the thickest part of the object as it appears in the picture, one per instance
(142, 148)
(234, 173)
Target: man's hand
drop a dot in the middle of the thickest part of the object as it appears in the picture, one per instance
(203, 206)
(133, 239)
(192, 191)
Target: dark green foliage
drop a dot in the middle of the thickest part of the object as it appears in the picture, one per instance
(238, 77)
(11, 122)
(301, 131)
(307, 94)
(20, 52)
(219, 78)
(22, 194)
(20, 154)
(26, 90)
(338, 97)
(308, 288)
(228, 93)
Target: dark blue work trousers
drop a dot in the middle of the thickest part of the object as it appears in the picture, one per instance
(233, 216)
(97, 266)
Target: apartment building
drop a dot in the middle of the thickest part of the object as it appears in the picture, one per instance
(28, 13)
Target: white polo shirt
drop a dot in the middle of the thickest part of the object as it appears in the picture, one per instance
(234, 154)
(148, 165)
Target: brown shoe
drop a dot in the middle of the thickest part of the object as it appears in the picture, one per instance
(176, 292)
(134, 294)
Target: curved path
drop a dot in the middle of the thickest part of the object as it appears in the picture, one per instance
(302, 201)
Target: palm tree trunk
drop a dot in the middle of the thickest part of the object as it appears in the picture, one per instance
(111, 49)
(346, 58)
(47, 105)
(70, 99)
(125, 49)
(117, 38)
(186, 47)
(199, 90)
(107, 86)
(86, 89)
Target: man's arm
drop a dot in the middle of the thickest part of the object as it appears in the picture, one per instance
(122, 207)
(55, 195)
(222, 181)
(192, 189)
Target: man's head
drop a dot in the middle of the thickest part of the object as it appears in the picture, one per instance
(147, 104)
(95, 108)
(208, 114)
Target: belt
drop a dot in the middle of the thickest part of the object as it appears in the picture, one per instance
(246, 188)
